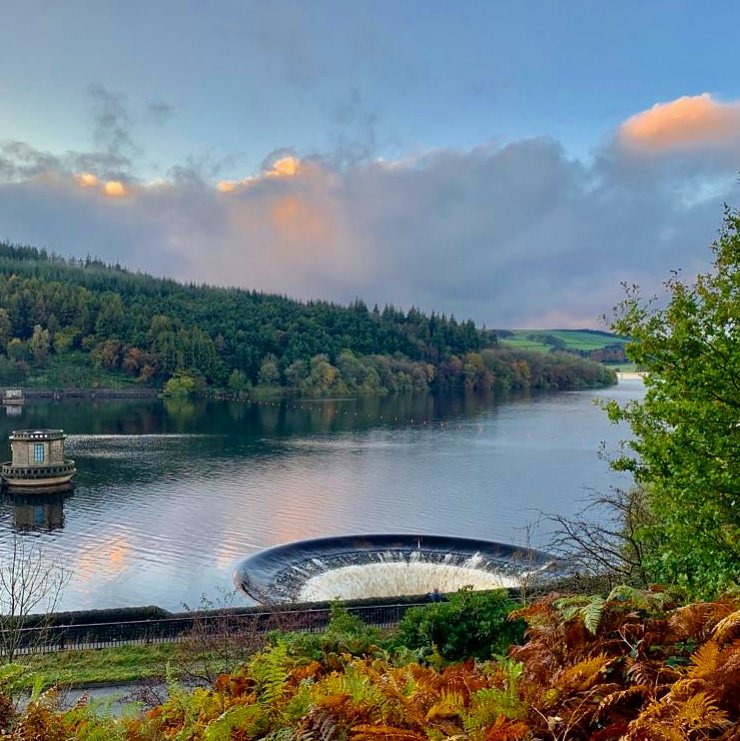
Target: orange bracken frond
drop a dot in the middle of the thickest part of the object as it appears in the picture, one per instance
(507, 730)
(622, 703)
(729, 663)
(583, 675)
(694, 716)
(701, 713)
(651, 673)
(448, 707)
(307, 671)
(724, 683)
(698, 620)
(704, 660)
(728, 628)
(380, 732)
(463, 678)
(538, 613)
(689, 622)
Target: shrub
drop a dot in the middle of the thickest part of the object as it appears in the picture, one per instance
(471, 624)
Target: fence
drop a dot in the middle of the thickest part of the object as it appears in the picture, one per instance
(50, 638)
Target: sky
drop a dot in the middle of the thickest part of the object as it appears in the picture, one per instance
(513, 163)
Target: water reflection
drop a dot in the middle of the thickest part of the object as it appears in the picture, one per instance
(38, 512)
(274, 418)
(169, 496)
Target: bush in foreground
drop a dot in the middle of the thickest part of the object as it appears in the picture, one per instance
(471, 625)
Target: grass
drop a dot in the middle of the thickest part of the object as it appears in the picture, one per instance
(522, 342)
(203, 655)
(116, 665)
(586, 340)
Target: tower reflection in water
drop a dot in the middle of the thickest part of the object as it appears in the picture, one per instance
(38, 512)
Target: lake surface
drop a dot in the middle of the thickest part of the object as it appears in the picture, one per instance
(169, 495)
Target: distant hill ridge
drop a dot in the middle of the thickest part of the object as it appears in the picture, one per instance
(76, 323)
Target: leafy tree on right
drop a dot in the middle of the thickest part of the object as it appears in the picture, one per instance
(685, 453)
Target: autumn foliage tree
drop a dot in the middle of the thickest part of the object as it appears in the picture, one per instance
(685, 453)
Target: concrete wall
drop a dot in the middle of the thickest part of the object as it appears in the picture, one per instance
(22, 452)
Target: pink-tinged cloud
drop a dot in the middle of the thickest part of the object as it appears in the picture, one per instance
(284, 167)
(519, 235)
(689, 121)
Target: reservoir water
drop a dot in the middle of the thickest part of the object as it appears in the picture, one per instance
(170, 495)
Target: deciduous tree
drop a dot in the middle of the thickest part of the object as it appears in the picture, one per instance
(686, 446)
(31, 583)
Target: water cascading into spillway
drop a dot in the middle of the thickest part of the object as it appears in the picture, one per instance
(385, 565)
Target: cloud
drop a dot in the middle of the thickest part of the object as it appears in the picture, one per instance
(354, 136)
(112, 188)
(18, 160)
(112, 130)
(115, 188)
(512, 236)
(278, 164)
(159, 111)
(688, 121)
(87, 180)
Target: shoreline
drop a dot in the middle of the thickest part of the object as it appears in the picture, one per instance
(134, 393)
(88, 393)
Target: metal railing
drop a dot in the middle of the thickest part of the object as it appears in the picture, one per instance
(50, 638)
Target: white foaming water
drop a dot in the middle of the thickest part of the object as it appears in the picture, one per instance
(397, 579)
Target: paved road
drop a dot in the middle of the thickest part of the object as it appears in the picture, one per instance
(113, 698)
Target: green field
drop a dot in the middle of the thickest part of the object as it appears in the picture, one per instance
(115, 665)
(572, 339)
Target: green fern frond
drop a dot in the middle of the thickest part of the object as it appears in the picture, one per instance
(239, 717)
(590, 610)
(298, 705)
(360, 688)
(570, 612)
(487, 705)
(564, 603)
(512, 670)
(592, 614)
(270, 670)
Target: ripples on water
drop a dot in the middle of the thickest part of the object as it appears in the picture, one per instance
(169, 496)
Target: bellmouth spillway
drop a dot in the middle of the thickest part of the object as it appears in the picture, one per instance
(386, 565)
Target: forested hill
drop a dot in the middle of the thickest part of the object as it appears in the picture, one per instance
(69, 323)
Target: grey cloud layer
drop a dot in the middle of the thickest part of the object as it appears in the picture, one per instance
(513, 236)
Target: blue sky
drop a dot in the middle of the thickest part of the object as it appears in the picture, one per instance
(469, 157)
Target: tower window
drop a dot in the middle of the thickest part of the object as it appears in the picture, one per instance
(38, 452)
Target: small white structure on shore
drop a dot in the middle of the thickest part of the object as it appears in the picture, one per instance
(37, 460)
(13, 397)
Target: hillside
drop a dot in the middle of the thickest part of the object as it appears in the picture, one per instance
(69, 323)
(603, 347)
